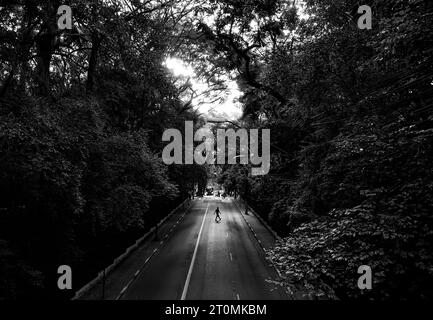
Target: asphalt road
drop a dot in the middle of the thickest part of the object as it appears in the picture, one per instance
(201, 259)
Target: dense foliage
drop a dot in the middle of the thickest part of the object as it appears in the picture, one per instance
(81, 118)
(351, 117)
(350, 112)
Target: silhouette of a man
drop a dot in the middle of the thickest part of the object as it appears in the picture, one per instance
(218, 214)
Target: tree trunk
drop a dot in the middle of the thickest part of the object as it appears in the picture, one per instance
(45, 53)
(45, 45)
(93, 62)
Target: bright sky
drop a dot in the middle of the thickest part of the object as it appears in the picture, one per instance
(229, 109)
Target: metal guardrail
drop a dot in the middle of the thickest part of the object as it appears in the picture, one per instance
(102, 274)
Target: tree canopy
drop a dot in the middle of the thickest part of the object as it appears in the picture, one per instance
(82, 112)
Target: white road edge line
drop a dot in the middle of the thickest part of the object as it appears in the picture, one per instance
(191, 266)
(145, 262)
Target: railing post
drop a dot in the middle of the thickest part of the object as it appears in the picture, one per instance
(103, 285)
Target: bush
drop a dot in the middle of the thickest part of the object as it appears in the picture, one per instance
(72, 190)
(385, 183)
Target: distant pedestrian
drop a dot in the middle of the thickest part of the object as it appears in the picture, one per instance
(218, 215)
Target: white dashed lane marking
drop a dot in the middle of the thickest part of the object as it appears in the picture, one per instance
(148, 259)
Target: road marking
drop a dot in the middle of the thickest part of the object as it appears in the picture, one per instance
(124, 289)
(231, 257)
(191, 266)
(147, 260)
(258, 240)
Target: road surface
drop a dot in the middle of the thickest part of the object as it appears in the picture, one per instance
(196, 258)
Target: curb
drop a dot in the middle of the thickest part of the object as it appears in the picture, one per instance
(154, 252)
(258, 240)
(251, 229)
(267, 226)
(83, 290)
